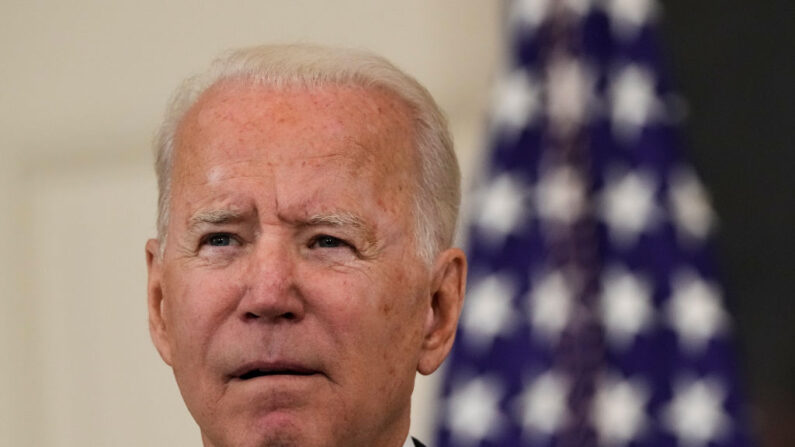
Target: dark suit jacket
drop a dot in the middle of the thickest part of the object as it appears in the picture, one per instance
(417, 443)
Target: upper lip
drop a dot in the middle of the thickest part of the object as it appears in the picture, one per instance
(263, 368)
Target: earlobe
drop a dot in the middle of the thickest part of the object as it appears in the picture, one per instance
(157, 322)
(447, 299)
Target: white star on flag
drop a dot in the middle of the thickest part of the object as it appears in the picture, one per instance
(517, 102)
(633, 102)
(618, 411)
(529, 14)
(501, 207)
(560, 195)
(625, 306)
(628, 207)
(689, 204)
(569, 94)
(542, 406)
(695, 311)
(578, 7)
(627, 17)
(473, 410)
(696, 415)
(489, 310)
(550, 305)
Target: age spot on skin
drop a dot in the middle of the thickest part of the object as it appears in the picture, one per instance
(215, 174)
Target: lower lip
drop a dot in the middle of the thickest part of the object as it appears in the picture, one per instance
(278, 377)
(278, 391)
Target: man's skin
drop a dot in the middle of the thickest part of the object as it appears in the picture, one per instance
(290, 299)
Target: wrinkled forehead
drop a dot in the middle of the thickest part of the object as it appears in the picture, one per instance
(341, 124)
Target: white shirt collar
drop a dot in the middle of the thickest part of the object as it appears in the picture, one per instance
(409, 442)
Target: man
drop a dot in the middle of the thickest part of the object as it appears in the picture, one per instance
(302, 272)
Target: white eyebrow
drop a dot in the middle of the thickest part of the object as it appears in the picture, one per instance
(339, 219)
(217, 216)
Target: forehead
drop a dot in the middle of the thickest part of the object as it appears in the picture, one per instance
(237, 119)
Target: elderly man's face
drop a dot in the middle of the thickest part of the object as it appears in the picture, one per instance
(290, 300)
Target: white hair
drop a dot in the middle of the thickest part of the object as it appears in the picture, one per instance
(438, 182)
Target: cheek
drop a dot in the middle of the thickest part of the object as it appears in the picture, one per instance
(195, 305)
(375, 316)
(341, 302)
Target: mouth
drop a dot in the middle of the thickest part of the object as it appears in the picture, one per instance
(253, 371)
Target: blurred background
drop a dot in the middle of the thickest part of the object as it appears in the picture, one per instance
(84, 85)
(732, 61)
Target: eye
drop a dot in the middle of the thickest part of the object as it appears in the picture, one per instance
(218, 240)
(326, 241)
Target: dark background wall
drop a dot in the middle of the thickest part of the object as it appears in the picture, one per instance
(734, 62)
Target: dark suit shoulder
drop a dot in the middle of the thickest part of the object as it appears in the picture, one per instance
(417, 443)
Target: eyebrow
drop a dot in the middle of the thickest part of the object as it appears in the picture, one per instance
(224, 216)
(333, 219)
(338, 219)
(214, 217)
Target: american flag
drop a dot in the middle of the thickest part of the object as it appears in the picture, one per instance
(593, 315)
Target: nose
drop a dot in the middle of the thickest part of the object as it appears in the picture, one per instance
(272, 293)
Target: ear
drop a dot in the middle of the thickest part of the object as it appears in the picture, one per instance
(158, 329)
(447, 298)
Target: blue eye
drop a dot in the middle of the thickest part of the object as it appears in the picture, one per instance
(328, 242)
(219, 240)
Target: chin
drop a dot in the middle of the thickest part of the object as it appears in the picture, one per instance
(276, 438)
(276, 429)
